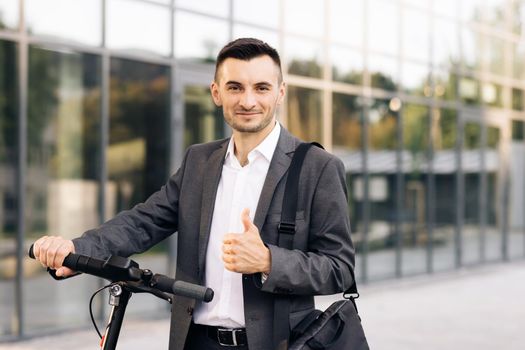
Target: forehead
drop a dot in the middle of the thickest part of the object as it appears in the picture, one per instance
(255, 70)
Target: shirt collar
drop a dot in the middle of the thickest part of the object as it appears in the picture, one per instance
(266, 148)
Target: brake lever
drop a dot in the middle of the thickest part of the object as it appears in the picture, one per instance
(139, 287)
(53, 274)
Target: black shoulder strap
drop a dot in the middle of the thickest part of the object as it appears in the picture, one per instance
(286, 231)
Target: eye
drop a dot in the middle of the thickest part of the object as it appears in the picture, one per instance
(233, 88)
(263, 88)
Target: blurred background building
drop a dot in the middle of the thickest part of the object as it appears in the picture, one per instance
(423, 100)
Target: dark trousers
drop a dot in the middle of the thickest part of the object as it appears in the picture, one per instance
(198, 339)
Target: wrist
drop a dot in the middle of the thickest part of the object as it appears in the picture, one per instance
(267, 262)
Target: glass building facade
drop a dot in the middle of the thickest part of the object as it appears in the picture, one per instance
(422, 100)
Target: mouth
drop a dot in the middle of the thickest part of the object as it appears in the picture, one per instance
(248, 114)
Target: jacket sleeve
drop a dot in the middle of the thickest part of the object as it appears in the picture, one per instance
(136, 230)
(327, 265)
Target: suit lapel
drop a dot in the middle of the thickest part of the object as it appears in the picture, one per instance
(278, 166)
(212, 173)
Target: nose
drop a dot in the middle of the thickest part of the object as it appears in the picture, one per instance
(248, 100)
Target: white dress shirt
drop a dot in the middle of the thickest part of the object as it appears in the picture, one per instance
(239, 188)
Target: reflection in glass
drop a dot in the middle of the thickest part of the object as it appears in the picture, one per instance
(304, 17)
(494, 235)
(383, 26)
(215, 7)
(203, 121)
(469, 91)
(63, 162)
(517, 99)
(416, 34)
(9, 13)
(126, 23)
(492, 94)
(304, 113)
(346, 22)
(494, 54)
(347, 65)
(382, 143)
(518, 60)
(445, 85)
(269, 36)
(305, 57)
(444, 139)
(414, 214)
(264, 13)
(471, 47)
(471, 166)
(8, 194)
(517, 191)
(415, 79)
(346, 135)
(383, 72)
(138, 150)
(82, 18)
(446, 42)
(208, 35)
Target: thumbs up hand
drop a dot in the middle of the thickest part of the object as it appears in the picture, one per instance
(245, 252)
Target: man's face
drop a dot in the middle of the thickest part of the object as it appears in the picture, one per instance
(249, 93)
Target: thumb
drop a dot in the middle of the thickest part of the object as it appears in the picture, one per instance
(246, 221)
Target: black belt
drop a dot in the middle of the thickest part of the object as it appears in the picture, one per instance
(225, 336)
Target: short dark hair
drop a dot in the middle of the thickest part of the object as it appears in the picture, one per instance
(245, 49)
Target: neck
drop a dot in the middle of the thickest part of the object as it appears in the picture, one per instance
(245, 142)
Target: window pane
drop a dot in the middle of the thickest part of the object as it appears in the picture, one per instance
(347, 65)
(269, 36)
(82, 18)
(518, 18)
(9, 12)
(264, 13)
(471, 47)
(492, 94)
(126, 27)
(208, 36)
(304, 17)
(445, 85)
(517, 191)
(518, 60)
(8, 193)
(416, 34)
(414, 215)
(471, 166)
(445, 168)
(415, 79)
(383, 26)
(469, 91)
(494, 234)
(62, 196)
(305, 57)
(517, 99)
(494, 54)
(346, 22)
(304, 113)
(471, 10)
(383, 72)
(138, 150)
(446, 42)
(203, 121)
(382, 143)
(347, 146)
(215, 7)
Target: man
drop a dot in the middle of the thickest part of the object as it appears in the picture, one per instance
(225, 202)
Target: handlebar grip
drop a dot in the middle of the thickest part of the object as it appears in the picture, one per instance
(31, 253)
(185, 289)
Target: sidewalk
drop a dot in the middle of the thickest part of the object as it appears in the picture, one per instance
(470, 309)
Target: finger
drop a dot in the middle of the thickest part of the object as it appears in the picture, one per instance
(64, 272)
(37, 246)
(60, 254)
(246, 221)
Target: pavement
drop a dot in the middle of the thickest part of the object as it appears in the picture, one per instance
(469, 309)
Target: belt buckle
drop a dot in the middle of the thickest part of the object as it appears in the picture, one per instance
(233, 333)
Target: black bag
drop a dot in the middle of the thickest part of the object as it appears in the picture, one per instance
(339, 326)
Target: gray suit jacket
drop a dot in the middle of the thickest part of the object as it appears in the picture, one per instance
(322, 264)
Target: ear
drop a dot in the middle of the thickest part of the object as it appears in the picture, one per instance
(214, 89)
(282, 93)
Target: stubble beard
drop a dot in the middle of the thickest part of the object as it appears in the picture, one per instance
(250, 128)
